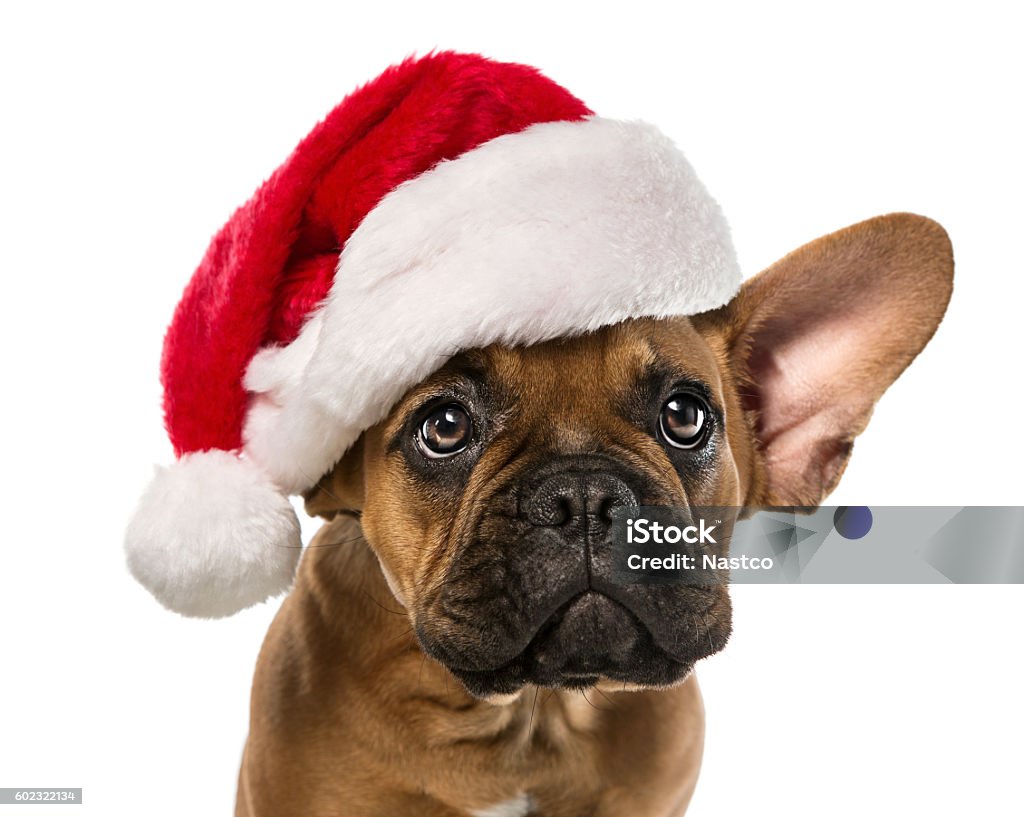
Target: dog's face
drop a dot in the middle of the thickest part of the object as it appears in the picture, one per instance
(488, 491)
(496, 481)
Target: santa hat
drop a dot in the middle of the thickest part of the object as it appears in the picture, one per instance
(451, 203)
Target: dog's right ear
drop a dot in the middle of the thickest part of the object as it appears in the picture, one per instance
(340, 490)
(820, 335)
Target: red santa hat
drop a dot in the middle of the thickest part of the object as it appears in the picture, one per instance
(451, 203)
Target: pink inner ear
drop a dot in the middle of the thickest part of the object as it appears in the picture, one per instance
(812, 397)
(828, 328)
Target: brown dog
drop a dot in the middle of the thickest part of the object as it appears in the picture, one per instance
(454, 644)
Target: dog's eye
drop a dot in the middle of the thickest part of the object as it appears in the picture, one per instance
(445, 431)
(684, 421)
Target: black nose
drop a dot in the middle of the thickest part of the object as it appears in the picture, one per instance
(571, 494)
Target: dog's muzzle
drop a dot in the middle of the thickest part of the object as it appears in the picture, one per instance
(531, 598)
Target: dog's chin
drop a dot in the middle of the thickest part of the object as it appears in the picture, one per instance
(590, 639)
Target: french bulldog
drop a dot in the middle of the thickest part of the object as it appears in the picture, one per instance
(455, 643)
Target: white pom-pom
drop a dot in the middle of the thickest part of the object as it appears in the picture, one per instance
(213, 535)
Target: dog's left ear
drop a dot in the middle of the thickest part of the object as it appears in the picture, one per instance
(340, 490)
(822, 334)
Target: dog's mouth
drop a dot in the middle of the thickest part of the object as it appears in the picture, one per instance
(589, 638)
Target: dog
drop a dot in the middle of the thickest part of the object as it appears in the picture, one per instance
(455, 644)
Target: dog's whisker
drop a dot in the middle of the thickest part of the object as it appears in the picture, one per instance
(533, 711)
(338, 543)
(592, 704)
(381, 606)
(400, 636)
(316, 484)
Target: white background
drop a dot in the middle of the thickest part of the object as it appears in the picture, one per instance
(129, 134)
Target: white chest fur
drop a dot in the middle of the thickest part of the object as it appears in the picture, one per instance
(519, 806)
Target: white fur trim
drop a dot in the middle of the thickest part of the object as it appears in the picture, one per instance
(556, 230)
(213, 535)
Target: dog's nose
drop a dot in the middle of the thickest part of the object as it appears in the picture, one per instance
(571, 494)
